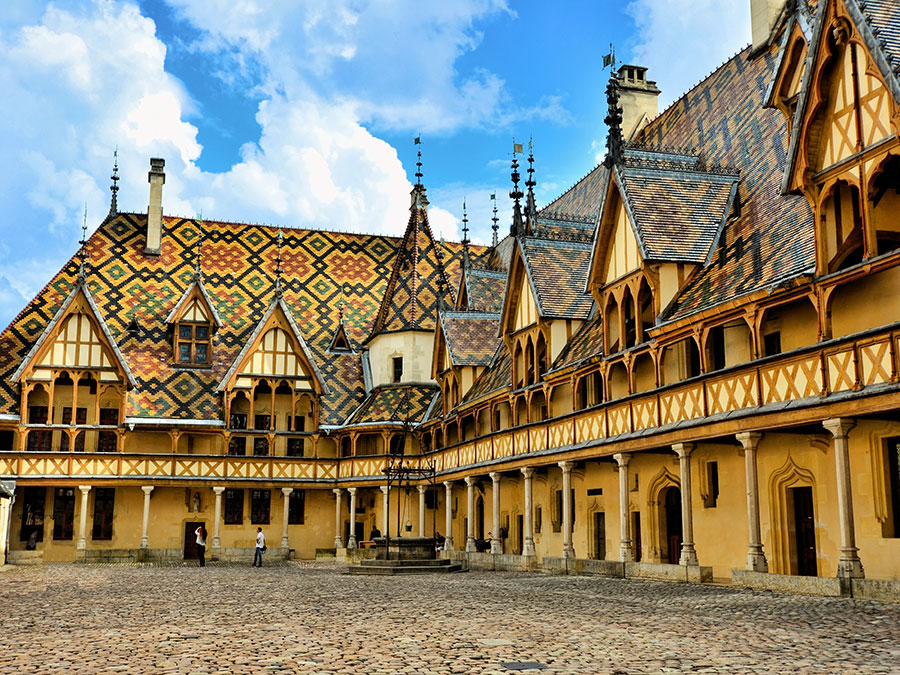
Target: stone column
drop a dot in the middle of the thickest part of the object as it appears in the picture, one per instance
(568, 548)
(351, 539)
(849, 566)
(470, 511)
(82, 517)
(285, 542)
(448, 522)
(338, 536)
(756, 559)
(496, 541)
(145, 525)
(688, 554)
(528, 544)
(217, 542)
(385, 510)
(626, 545)
(421, 489)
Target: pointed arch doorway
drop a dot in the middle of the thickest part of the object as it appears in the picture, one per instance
(670, 524)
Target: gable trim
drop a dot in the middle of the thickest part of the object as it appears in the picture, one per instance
(173, 315)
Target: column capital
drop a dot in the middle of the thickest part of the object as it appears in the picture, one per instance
(566, 466)
(448, 484)
(352, 491)
(495, 476)
(337, 491)
(384, 489)
(839, 426)
(527, 471)
(147, 489)
(470, 480)
(421, 489)
(749, 439)
(286, 491)
(622, 458)
(218, 490)
(683, 449)
(87, 488)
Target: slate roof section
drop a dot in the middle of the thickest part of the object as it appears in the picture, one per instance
(485, 289)
(585, 345)
(496, 377)
(722, 120)
(395, 403)
(472, 337)
(558, 270)
(580, 201)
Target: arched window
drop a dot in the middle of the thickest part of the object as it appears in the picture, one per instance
(842, 227)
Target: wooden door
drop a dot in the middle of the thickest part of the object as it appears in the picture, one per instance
(636, 535)
(673, 524)
(520, 533)
(804, 531)
(190, 541)
(599, 535)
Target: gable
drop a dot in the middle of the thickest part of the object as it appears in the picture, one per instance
(526, 308)
(520, 305)
(623, 255)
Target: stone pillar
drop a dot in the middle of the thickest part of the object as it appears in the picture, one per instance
(385, 510)
(568, 548)
(285, 542)
(470, 517)
(421, 489)
(688, 554)
(756, 559)
(496, 541)
(217, 542)
(338, 536)
(849, 566)
(448, 522)
(145, 525)
(626, 545)
(351, 539)
(528, 544)
(82, 517)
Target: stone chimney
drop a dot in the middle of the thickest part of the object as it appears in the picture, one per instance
(156, 178)
(637, 98)
(763, 14)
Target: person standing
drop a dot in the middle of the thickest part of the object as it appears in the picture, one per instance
(260, 547)
(201, 544)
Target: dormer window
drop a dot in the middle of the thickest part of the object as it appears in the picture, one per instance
(193, 344)
(397, 368)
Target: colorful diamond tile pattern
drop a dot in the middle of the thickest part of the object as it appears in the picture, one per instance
(472, 337)
(559, 270)
(395, 403)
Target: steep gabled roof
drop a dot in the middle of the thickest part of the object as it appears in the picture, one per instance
(586, 344)
(580, 201)
(484, 289)
(472, 337)
(394, 403)
(496, 377)
(557, 270)
(195, 287)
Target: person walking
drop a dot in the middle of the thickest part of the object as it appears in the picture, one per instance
(260, 547)
(201, 544)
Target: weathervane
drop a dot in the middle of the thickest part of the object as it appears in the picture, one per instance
(516, 193)
(495, 219)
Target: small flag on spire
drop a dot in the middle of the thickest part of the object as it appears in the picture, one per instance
(417, 140)
(493, 195)
(610, 59)
(517, 147)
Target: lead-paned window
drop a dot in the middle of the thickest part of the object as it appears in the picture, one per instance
(260, 502)
(296, 507)
(39, 440)
(106, 440)
(234, 506)
(193, 343)
(104, 503)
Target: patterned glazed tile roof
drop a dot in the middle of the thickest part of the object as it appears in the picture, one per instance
(320, 268)
(417, 278)
(580, 201)
(485, 289)
(722, 120)
(677, 208)
(472, 337)
(496, 377)
(879, 22)
(558, 271)
(394, 403)
(587, 343)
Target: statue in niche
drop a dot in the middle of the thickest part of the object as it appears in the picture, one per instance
(196, 503)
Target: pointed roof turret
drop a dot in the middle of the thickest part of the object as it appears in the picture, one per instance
(114, 188)
(516, 194)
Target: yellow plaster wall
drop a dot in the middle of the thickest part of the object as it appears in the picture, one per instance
(526, 311)
(852, 306)
(416, 349)
(623, 256)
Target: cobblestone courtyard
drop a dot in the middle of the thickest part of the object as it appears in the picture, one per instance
(312, 618)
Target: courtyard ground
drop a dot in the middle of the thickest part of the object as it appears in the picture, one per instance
(312, 618)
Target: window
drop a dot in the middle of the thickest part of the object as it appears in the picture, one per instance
(396, 444)
(63, 513)
(6, 439)
(237, 445)
(716, 347)
(261, 443)
(299, 423)
(772, 343)
(234, 506)
(398, 368)
(104, 502)
(295, 447)
(80, 418)
(39, 440)
(260, 501)
(106, 440)
(296, 507)
(893, 467)
(192, 345)
(33, 513)
(431, 499)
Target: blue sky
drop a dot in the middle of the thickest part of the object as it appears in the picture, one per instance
(303, 114)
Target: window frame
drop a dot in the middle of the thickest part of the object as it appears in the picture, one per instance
(260, 506)
(104, 514)
(233, 512)
(192, 342)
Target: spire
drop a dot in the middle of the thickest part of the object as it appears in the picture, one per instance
(279, 292)
(615, 146)
(516, 194)
(418, 198)
(530, 208)
(465, 230)
(341, 311)
(495, 219)
(82, 252)
(114, 188)
(418, 141)
(198, 272)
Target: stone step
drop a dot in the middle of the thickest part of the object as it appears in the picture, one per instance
(389, 570)
(401, 563)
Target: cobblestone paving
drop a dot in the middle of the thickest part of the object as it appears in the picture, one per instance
(312, 618)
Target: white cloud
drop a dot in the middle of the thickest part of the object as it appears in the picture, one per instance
(682, 42)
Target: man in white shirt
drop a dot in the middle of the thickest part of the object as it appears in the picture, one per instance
(260, 547)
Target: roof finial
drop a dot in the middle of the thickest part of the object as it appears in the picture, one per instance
(418, 141)
(341, 309)
(114, 188)
(82, 252)
(198, 272)
(615, 146)
(516, 193)
(530, 208)
(465, 230)
(418, 199)
(278, 269)
(495, 219)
